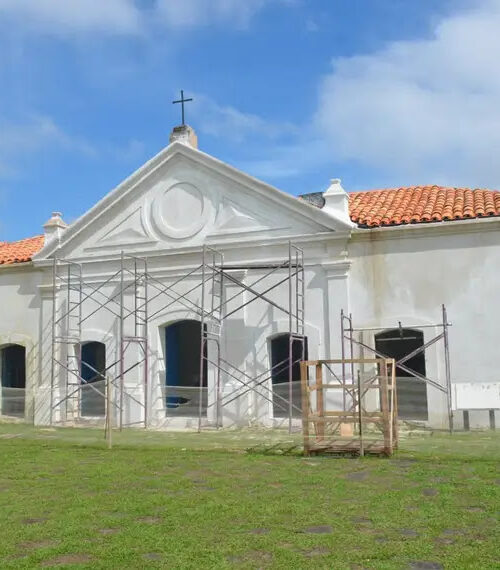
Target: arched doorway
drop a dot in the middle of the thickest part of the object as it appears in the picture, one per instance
(93, 370)
(280, 359)
(13, 374)
(411, 391)
(182, 377)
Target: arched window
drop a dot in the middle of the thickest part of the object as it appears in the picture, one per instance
(182, 379)
(93, 370)
(13, 373)
(280, 366)
(411, 391)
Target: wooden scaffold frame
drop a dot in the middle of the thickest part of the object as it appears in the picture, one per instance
(354, 429)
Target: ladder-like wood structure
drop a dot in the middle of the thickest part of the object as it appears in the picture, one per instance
(354, 413)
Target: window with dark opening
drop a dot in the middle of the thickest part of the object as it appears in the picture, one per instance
(411, 391)
(13, 372)
(280, 359)
(182, 344)
(93, 370)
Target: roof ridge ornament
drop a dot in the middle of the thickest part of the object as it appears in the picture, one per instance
(337, 200)
(54, 227)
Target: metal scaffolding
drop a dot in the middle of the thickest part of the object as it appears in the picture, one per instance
(217, 313)
(71, 296)
(349, 342)
(131, 308)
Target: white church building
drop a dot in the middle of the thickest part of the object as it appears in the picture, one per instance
(186, 297)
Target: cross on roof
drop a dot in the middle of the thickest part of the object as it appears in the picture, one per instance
(182, 101)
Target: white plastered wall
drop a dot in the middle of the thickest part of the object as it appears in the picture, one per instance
(246, 334)
(19, 322)
(405, 274)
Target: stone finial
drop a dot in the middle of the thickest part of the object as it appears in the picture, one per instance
(184, 134)
(54, 227)
(337, 200)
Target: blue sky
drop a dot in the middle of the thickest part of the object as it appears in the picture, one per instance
(378, 93)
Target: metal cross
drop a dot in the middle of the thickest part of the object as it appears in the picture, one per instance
(182, 101)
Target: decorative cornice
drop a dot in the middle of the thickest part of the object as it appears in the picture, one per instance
(337, 269)
(279, 198)
(13, 267)
(406, 231)
(259, 242)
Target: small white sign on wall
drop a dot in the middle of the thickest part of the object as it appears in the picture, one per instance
(476, 396)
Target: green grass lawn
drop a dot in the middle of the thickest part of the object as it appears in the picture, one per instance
(244, 500)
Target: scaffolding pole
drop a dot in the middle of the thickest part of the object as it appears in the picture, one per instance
(68, 317)
(347, 334)
(132, 317)
(294, 310)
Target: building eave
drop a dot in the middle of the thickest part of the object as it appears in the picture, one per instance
(421, 229)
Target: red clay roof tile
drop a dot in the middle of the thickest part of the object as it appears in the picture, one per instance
(20, 251)
(417, 204)
(371, 208)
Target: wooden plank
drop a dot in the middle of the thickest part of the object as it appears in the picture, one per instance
(360, 411)
(305, 406)
(346, 361)
(384, 406)
(394, 392)
(349, 387)
(347, 413)
(322, 425)
(353, 419)
(320, 402)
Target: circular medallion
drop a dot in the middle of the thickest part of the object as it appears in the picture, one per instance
(180, 211)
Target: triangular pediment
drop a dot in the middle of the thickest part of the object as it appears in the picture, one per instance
(183, 198)
(234, 218)
(129, 230)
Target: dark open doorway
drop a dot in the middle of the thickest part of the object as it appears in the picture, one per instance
(13, 363)
(280, 352)
(182, 343)
(411, 391)
(93, 370)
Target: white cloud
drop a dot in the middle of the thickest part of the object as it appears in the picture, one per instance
(38, 132)
(312, 25)
(67, 17)
(230, 123)
(125, 17)
(34, 133)
(425, 110)
(31, 136)
(131, 151)
(192, 13)
(290, 160)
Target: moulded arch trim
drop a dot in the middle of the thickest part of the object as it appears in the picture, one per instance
(281, 327)
(172, 315)
(17, 338)
(434, 354)
(312, 332)
(109, 340)
(173, 322)
(388, 323)
(98, 335)
(30, 356)
(391, 323)
(160, 323)
(397, 329)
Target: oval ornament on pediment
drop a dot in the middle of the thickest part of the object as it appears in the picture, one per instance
(180, 211)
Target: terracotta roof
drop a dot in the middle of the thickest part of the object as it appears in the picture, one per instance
(370, 209)
(20, 251)
(417, 204)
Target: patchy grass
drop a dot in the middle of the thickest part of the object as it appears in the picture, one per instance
(183, 501)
